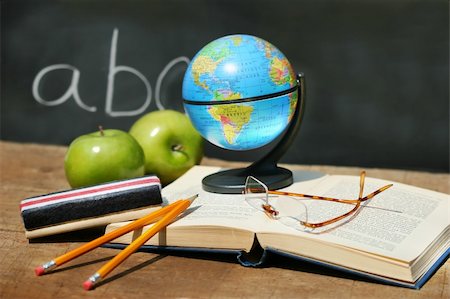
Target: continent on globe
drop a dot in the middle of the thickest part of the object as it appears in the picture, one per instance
(206, 64)
(226, 94)
(232, 118)
(281, 71)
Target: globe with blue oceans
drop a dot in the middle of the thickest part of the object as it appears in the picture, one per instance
(240, 92)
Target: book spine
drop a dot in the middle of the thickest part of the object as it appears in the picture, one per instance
(90, 202)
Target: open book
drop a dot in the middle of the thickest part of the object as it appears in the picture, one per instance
(401, 241)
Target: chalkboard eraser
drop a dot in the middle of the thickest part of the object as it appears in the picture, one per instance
(91, 206)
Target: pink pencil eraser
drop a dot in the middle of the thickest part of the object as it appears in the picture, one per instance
(88, 285)
(39, 270)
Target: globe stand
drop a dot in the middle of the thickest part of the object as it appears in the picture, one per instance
(265, 169)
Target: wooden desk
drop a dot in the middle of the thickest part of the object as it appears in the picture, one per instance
(29, 169)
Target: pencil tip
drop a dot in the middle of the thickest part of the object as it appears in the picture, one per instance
(193, 197)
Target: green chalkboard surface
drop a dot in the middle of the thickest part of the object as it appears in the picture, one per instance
(377, 72)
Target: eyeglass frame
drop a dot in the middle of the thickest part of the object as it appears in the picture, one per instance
(272, 213)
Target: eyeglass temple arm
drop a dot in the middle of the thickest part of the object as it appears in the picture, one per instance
(357, 202)
(320, 224)
(357, 205)
(348, 201)
(362, 178)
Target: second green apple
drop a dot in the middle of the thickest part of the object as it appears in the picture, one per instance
(171, 144)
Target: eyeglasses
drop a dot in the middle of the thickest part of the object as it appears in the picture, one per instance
(303, 214)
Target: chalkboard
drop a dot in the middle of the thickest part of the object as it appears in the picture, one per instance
(377, 72)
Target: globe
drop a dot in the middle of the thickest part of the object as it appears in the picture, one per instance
(240, 92)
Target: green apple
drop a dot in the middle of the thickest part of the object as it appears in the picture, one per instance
(103, 156)
(171, 144)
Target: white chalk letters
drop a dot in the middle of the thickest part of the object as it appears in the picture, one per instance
(72, 90)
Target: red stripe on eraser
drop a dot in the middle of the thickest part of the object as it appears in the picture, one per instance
(67, 195)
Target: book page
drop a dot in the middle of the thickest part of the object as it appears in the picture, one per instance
(399, 222)
(209, 209)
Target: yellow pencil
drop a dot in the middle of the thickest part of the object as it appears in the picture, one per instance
(136, 244)
(103, 239)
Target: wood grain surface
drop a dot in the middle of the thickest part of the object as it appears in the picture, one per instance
(31, 169)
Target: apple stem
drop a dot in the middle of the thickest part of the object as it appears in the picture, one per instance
(101, 130)
(177, 147)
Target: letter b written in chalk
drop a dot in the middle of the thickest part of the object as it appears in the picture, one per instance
(113, 70)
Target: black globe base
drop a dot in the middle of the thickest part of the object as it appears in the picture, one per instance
(265, 169)
(233, 181)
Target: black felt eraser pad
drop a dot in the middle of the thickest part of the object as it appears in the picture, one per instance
(90, 202)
